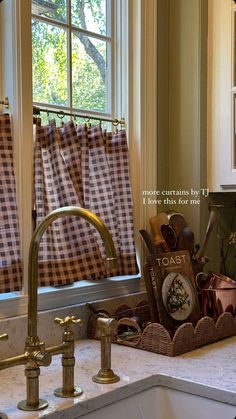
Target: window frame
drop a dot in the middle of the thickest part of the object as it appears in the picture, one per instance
(136, 80)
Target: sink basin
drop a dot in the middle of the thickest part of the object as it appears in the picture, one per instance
(164, 403)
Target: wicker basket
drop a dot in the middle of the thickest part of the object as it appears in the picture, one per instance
(155, 338)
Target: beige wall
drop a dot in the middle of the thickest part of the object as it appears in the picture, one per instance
(182, 42)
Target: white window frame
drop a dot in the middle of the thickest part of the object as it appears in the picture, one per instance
(136, 80)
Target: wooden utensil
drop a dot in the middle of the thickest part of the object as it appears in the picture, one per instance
(177, 221)
(155, 224)
(169, 236)
(148, 241)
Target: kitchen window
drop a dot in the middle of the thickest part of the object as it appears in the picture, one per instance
(130, 54)
(73, 55)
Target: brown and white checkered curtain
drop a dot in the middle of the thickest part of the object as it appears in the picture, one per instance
(75, 166)
(10, 257)
(118, 162)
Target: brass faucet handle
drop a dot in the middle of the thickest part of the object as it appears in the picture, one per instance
(67, 321)
(106, 325)
(4, 336)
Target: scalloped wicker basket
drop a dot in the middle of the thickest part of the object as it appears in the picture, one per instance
(155, 338)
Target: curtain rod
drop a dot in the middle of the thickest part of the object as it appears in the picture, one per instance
(5, 102)
(61, 114)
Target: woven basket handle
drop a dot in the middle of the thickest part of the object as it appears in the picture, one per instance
(126, 321)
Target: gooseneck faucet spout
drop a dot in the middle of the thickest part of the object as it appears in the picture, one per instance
(36, 354)
(34, 250)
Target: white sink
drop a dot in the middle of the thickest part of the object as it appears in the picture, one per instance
(164, 403)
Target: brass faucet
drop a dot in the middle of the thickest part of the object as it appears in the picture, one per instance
(36, 354)
(106, 375)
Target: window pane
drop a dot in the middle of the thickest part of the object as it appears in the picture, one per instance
(54, 9)
(90, 15)
(89, 73)
(49, 50)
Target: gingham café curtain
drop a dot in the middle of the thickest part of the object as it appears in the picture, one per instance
(84, 167)
(10, 257)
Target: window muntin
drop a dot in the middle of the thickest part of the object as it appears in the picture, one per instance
(71, 50)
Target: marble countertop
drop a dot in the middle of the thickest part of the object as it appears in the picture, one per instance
(209, 371)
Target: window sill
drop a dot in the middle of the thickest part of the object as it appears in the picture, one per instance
(15, 304)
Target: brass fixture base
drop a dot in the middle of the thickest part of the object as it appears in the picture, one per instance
(24, 406)
(59, 392)
(106, 376)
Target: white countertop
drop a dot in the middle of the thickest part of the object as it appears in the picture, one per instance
(209, 371)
